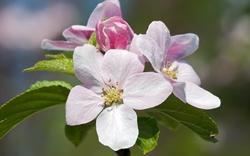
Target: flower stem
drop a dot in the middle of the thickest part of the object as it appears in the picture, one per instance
(123, 152)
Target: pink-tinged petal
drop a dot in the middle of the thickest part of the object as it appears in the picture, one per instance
(82, 106)
(104, 10)
(146, 90)
(149, 48)
(118, 65)
(182, 46)
(87, 65)
(78, 33)
(58, 45)
(186, 73)
(194, 95)
(159, 32)
(113, 33)
(117, 127)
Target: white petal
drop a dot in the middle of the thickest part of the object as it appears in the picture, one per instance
(196, 96)
(104, 10)
(82, 106)
(87, 64)
(186, 73)
(135, 49)
(149, 48)
(146, 90)
(117, 127)
(118, 65)
(182, 46)
(158, 31)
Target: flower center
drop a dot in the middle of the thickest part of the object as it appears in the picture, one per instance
(112, 96)
(171, 73)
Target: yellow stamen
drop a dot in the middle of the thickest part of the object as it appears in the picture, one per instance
(170, 73)
(112, 95)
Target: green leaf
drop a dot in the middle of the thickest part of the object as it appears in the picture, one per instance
(76, 134)
(165, 120)
(39, 96)
(195, 119)
(56, 63)
(59, 55)
(44, 84)
(148, 134)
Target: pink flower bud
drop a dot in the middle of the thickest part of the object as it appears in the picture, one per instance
(113, 33)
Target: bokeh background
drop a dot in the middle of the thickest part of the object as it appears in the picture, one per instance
(222, 61)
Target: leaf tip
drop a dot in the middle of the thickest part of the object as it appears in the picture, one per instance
(28, 69)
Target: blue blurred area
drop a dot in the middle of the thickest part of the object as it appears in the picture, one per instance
(29, 4)
(222, 61)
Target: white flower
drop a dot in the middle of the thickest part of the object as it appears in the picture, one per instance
(165, 53)
(114, 85)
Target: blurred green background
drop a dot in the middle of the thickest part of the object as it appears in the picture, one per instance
(222, 61)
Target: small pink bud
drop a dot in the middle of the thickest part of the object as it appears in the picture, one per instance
(113, 33)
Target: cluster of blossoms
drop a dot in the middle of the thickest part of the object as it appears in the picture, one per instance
(109, 60)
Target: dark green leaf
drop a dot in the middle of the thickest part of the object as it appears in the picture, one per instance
(39, 96)
(76, 134)
(56, 63)
(148, 134)
(165, 120)
(195, 119)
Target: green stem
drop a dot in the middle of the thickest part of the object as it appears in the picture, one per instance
(123, 152)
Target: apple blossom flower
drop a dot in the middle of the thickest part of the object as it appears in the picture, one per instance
(114, 85)
(113, 33)
(78, 35)
(165, 53)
